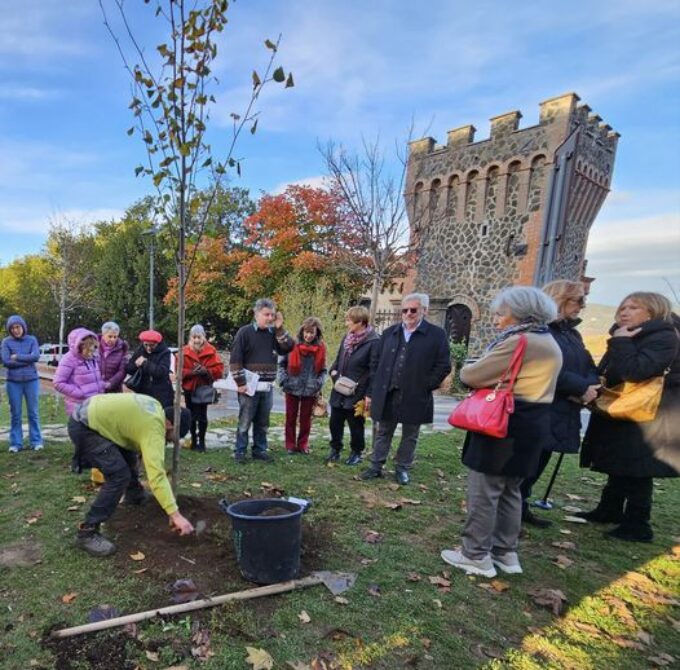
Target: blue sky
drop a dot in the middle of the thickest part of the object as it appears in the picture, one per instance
(360, 69)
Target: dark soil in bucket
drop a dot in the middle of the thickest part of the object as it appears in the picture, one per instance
(206, 558)
(274, 511)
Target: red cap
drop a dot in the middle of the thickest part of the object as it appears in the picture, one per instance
(150, 336)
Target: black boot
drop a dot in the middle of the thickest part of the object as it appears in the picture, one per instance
(202, 428)
(333, 456)
(529, 518)
(610, 507)
(635, 526)
(193, 429)
(354, 458)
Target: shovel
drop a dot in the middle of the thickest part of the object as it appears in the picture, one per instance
(335, 582)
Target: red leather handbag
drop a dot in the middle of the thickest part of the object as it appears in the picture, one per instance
(487, 411)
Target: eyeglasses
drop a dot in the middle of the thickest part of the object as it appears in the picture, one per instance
(410, 310)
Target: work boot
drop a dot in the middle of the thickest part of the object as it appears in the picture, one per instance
(631, 532)
(610, 507)
(262, 456)
(90, 540)
(370, 473)
(333, 456)
(600, 515)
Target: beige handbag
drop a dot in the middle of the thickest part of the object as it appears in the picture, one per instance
(345, 386)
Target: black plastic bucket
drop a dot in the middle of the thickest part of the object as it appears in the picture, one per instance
(267, 546)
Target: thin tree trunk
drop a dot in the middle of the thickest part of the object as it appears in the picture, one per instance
(375, 290)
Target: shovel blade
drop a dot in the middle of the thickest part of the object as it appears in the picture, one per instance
(336, 582)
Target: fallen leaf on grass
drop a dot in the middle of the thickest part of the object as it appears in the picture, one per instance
(324, 660)
(177, 667)
(422, 487)
(409, 501)
(564, 545)
(341, 601)
(152, 656)
(137, 556)
(562, 561)
(259, 659)
(564, 531)
(413, 577)
(573, 496)
(73, 508)
(374, 590)
(184, 591)
(368, 561)
(574, 519)
(372, 537)
(79, 499)
(69, 597)
(298, 665)
(426, 642)
(661, 659)
(140, 571)
(645, 637)
(196, 485)
(395, 506)
(440, 473)
(272, 489)
(571, 509)
(437, 603)
(200, 645)
(439, 581)
(499, 585)
(304, 617)
(587, 628)
(654, 598)
(626, 643)
(553, 599)
(33, 517)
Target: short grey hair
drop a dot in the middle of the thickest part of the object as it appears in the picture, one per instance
(527, 304)
(418, 297)
(110, 327)
(198, 329)
(264, 303)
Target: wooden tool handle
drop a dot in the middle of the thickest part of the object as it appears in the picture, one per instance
(269, 590)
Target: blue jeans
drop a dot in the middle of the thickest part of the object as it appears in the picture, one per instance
(16, 392)
(254, 410)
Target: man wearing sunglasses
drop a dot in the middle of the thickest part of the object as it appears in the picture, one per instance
(411, 360)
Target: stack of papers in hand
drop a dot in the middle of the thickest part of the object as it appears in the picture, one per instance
(228, 384)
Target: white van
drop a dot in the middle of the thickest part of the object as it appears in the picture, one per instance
(51, 354)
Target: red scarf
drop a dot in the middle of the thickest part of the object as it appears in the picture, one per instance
(295, 357)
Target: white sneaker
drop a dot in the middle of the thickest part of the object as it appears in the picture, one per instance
(507, 563)
(37, 447)
(14, 450)
(483, 566)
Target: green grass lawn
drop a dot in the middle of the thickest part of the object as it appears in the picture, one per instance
(620, 598)
(51, 410)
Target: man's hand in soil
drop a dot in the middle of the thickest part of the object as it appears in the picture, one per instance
(181, 525)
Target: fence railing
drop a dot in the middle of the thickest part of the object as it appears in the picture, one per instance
(384, 318)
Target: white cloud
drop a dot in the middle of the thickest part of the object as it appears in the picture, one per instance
(27, 93)
(37, 220)
(318, 181)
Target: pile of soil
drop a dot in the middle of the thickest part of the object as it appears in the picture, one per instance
(206, 558)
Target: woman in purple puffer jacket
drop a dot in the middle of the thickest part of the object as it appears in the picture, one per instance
(78, 375)
(113, 357)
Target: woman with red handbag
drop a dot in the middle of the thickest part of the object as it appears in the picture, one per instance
(499, 464)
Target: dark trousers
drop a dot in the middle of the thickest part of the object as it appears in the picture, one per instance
(119, 467)
(302, 408)
(199, 419)
(631, 496)
(336, 424)
(527, 484)
(253, 411)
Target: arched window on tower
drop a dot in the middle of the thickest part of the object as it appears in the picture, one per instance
(452, 197)
(490, 204)
(512, 190)
(471, 195)
(433, 203)
(536, 183)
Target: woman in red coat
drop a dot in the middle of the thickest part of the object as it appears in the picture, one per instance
(202, 366)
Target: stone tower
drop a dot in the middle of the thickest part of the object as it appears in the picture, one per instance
(512, 209)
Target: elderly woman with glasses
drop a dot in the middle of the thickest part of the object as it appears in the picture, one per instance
(577, 385)
(498, 465)
(113, 354)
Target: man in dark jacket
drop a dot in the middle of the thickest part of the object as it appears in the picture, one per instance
(410, 361)
(255, 349)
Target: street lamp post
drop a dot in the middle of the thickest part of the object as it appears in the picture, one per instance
(152, 255)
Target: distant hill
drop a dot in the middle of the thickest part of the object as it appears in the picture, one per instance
(597, 319)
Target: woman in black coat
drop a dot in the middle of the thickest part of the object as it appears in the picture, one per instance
(577, 385)
(153, 357)
(353, 361)
(644, 344)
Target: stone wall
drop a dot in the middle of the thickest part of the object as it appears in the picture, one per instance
(477, 209)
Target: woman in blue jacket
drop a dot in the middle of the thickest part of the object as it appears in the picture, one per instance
(19, 355)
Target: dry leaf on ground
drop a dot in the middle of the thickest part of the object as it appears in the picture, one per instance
(393, 506)
(368, 561)
(626, 643)
(259, 659)
(439, 581)
(413, 577)
(69, 597)
(562, 561)
(409, 501)
(437, 603)
(152, 656)
(298, 665)
(33, 517)
(140, 571)
(341, 601)
(564, 531)
(79, 499)
(499, 585)
(564, 545)
(571, 509)
(553, 599)
(573, 496)
(372, 536)
(374, 590)
(73, 508)
(662, 659)
(200, 644)
(137, 556)
(304, 617)
(574, 519)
